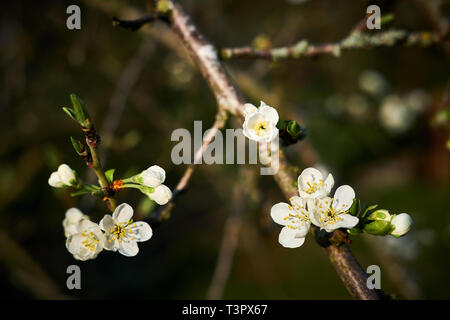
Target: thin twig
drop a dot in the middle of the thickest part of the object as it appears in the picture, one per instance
(356, 40)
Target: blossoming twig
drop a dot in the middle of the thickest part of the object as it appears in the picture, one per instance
(97, 167)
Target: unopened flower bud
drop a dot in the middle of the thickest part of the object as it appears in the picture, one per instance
(402, 224)
(379, 223)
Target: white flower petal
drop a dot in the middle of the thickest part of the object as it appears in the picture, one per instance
(107, 223)
(288, 240)
(161, 195)
(74, 242)
(329, 183)
(72, 217)
(140, 231)
(402, 223)
(111, 244)
(269, 113)
(123, 213)
(154, 176)
(66, 174)
(297, 201)
(347, 221)
(128, 248)
(249, 108)
(86, 225)
(302, 230)
(343, 198)
(280, 212)
(55, 181)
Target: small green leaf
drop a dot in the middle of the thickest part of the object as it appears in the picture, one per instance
(78, 146)
(370, 208)
(355, 208)
(110, 175)
(354, 231)
(282, 124)
(79, 107)
(70, 113)
(387, 18)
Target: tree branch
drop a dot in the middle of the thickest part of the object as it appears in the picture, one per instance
(355, 40)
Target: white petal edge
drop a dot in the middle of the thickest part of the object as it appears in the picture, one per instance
(249, 108)
(269, 113)
(128, 248)
(280, 211)
(123, 213)
(141, 231)
(288, 240)
(343, 198)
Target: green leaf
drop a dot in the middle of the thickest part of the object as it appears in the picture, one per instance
(354, 231)
(282, 124)
(78, 146)
(70, 113)
(80, 108)
(355, 208)
(110, 175)
(370, 208)
(387, 18)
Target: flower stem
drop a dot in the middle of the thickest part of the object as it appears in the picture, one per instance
(97, 167)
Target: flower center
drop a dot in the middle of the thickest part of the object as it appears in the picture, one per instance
(118, 232)
(313, 187)
(297, 216)
(261, 127)
(330, 216)
(90, 240)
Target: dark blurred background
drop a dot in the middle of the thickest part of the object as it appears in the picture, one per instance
(371, 120)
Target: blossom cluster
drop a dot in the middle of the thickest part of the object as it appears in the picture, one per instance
(117, 232)
(315, 206)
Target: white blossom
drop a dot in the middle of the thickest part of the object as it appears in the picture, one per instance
(153, 176)
(122, 234)
(260, 123)
(161, 194)
(295, 220)
(71, 220)
(332, 213)
(402, 224)
(63, 177)
(88, 242)
(312, 186)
